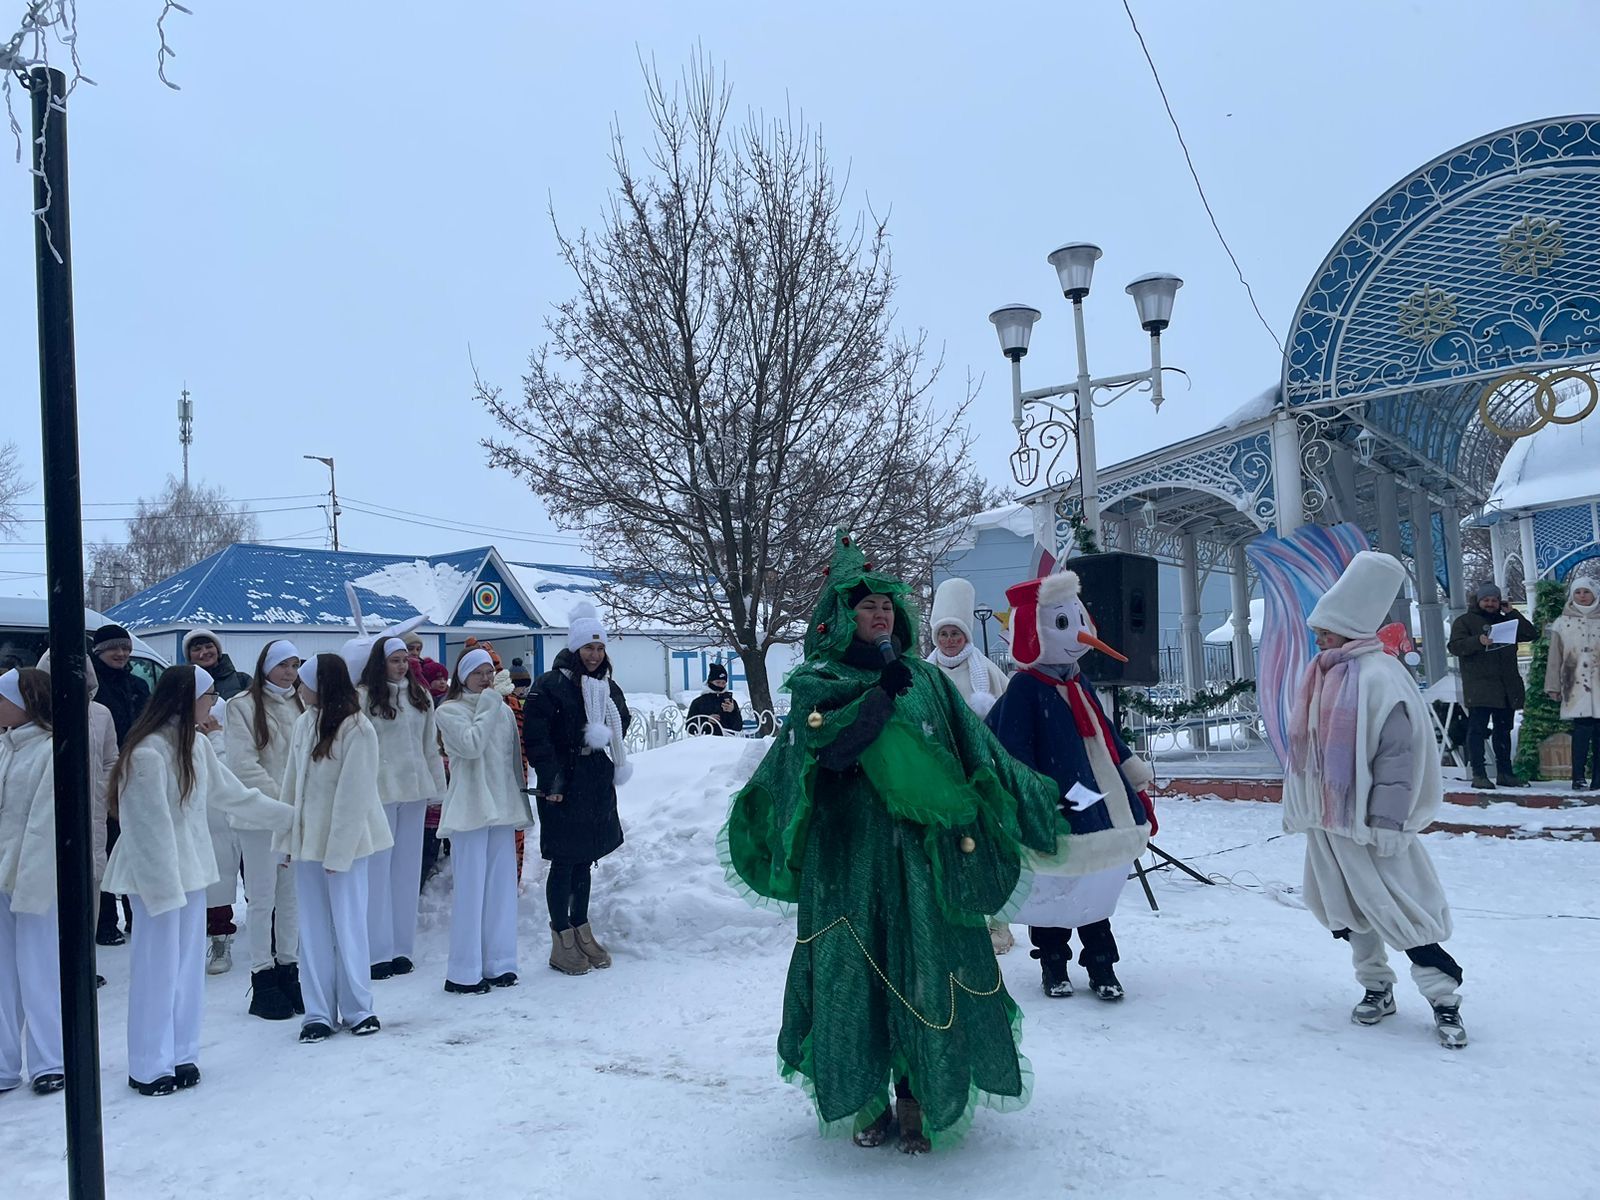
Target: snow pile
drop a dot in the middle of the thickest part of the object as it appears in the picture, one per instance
(555, 593)
(664, 891)
(1253, 409)
(433, 589)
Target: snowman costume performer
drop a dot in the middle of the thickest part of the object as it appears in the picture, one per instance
(1362, 781)
(1050, 719)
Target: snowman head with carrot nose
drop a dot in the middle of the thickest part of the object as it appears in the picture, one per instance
(1050, 625)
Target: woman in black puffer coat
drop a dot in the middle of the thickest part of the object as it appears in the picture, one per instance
(574, 721)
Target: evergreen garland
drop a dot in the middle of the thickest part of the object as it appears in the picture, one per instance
(1082, 536)
(1541, 716)
(1178, 710)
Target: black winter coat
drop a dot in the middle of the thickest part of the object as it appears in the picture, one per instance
(1490, 677)
(584, 827)
(124, 693)
(710, 705)
(230, 681)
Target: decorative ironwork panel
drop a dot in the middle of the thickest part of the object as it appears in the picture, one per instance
(1557, 532)
(1485, 259)
(1239, 472)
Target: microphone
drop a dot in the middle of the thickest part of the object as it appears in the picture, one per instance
(886, 648)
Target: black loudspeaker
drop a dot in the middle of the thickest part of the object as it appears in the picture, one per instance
(1122, 594)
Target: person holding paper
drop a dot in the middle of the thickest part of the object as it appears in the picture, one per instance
(1485, 639)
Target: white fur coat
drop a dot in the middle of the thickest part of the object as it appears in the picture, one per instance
(262, 769)
(486, 775)
(338, 817)
(409, 766)
(27, 819)
(165, 849)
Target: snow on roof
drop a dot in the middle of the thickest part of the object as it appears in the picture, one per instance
(1555, 466)
(434, 589)
(1252, 410)
(557, 590)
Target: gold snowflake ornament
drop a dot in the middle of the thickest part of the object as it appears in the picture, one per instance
(1531, 245)
(1427, 314)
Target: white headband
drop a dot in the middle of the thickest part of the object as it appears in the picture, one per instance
(203, 682)
(278, 653)
(471, 661)
(11, 688)
(394, 646)
(308, 674)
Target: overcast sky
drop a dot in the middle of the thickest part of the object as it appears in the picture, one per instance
(344, 197)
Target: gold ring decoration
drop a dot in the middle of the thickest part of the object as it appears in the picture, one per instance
(1544, 401)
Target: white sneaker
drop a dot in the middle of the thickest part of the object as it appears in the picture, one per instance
(1447, 1024)
(219, 956)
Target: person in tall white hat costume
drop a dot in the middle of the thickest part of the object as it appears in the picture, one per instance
(1361, 782)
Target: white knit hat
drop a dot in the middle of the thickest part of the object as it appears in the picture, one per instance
(471, 661)
(200, 635)
(584, 626)
(308, 673)
(1359, 601)
(203, 682)
(11, 688)
(952, 605)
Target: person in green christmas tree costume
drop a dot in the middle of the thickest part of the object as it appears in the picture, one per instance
(897, 824)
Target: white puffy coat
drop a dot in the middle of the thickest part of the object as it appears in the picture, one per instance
(486, 774)
(409, 765)
(27, 819)
(165, 849)
(338, 817)
(262, 769)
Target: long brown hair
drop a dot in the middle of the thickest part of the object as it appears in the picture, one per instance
(337, 702)
(375, 678)
(172, 705)
(260, 731)
(34, 685)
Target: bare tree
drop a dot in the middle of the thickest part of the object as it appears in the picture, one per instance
(167, 533)
(726, 385)
(12, 490)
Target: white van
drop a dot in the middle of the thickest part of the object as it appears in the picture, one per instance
(25, 636)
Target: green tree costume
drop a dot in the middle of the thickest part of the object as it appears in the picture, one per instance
(897, 827)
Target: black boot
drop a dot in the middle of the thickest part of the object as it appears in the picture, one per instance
(267, 998)
(289, 983)
(1053, 948)
(1099, 956)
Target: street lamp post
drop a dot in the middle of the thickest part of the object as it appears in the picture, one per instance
(983, 615)
(1153, 296)
(333, 494)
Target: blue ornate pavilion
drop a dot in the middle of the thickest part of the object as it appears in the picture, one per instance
(1459, 314)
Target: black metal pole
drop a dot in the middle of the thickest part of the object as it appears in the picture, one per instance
(69, 693)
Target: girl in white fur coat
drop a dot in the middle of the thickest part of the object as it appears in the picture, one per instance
(410, 775)
(259, 722)
(30, 964)
(978, 680)
(331, 779)
(1361, 783)
(166, 780)
(484, 806)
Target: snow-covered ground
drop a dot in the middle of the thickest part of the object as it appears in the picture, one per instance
(1232, 1070)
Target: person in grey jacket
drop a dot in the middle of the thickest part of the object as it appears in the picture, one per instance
(1491, 682)
(1572, 678)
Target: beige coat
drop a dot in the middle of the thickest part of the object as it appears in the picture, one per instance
(1572, 675)
(102, 760)
(165, 849)
(338, 817)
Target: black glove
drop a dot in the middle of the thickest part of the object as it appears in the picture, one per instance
(895, 678)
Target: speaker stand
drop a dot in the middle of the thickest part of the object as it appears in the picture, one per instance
(1167, 860)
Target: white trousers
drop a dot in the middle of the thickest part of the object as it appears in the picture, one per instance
(166, 987)
(225, 845)
(335, 967)
(483, 910)
(394, 884)
(30, 993)
(269, 891)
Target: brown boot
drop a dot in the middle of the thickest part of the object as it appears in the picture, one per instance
(565, 955)
(875, 1134)
(598, 958)
(909, 1114)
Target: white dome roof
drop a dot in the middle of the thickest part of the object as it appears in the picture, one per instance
(1560, 464)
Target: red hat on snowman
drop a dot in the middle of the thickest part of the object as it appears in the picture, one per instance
(1055, 598)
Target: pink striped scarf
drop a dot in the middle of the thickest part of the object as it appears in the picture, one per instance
(1328, 688)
